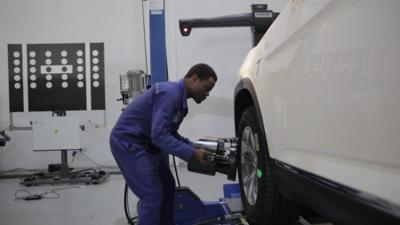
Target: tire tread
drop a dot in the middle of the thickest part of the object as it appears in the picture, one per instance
(270, 208)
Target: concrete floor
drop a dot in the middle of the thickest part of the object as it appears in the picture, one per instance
(88, 204)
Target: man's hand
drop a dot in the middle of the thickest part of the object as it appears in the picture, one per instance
(200, 155)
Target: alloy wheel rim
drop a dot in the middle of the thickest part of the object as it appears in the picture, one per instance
(248, 165)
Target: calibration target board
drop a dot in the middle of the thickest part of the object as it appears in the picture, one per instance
(97, 76)
(15, 83)
(56, 77)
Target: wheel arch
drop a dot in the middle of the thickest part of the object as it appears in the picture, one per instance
(245, 96)
(270, 202)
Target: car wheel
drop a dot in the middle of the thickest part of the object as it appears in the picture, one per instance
(262, 203)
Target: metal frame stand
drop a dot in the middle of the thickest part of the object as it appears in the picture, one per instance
(65, 175)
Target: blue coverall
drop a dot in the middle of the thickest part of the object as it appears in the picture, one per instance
(141, 140)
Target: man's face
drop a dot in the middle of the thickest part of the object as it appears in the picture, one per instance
(201, 88)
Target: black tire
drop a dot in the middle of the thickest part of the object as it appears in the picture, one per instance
(264, 206)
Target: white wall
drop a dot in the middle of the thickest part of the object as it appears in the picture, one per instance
(118, 24)
(222, 48)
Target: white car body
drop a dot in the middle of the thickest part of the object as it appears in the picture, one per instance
(326, 75)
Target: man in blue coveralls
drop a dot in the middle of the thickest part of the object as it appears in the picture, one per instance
(147, 132)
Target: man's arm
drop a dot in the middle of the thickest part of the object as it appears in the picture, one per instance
(186, 140)
(165, 106)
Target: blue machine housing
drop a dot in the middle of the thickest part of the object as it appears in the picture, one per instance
(189, 209)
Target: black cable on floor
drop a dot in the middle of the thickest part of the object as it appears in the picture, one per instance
(131, 220)
(176, 172)
(49, 194)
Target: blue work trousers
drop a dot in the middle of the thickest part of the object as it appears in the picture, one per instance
(149, 177)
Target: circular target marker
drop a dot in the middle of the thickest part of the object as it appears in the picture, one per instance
(17, 85)
(33, 77)
(64, 84)
(17, 62)
(80, 84)
(47, 53)
(79, 60)
(17, 77)
(64, 53)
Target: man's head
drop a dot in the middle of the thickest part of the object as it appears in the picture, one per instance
(200, 80)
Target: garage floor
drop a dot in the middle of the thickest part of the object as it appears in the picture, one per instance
(88, 204)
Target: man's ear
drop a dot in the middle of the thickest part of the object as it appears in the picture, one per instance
(195, 77)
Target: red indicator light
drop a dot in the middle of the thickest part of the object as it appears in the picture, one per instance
(185, 28)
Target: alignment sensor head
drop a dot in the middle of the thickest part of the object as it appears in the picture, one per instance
(185, 27)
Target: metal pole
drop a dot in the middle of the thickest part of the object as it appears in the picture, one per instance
(64, 163)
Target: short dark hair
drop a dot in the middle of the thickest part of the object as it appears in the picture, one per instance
(203, 71)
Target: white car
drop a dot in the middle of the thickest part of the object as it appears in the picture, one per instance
(317, 110)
